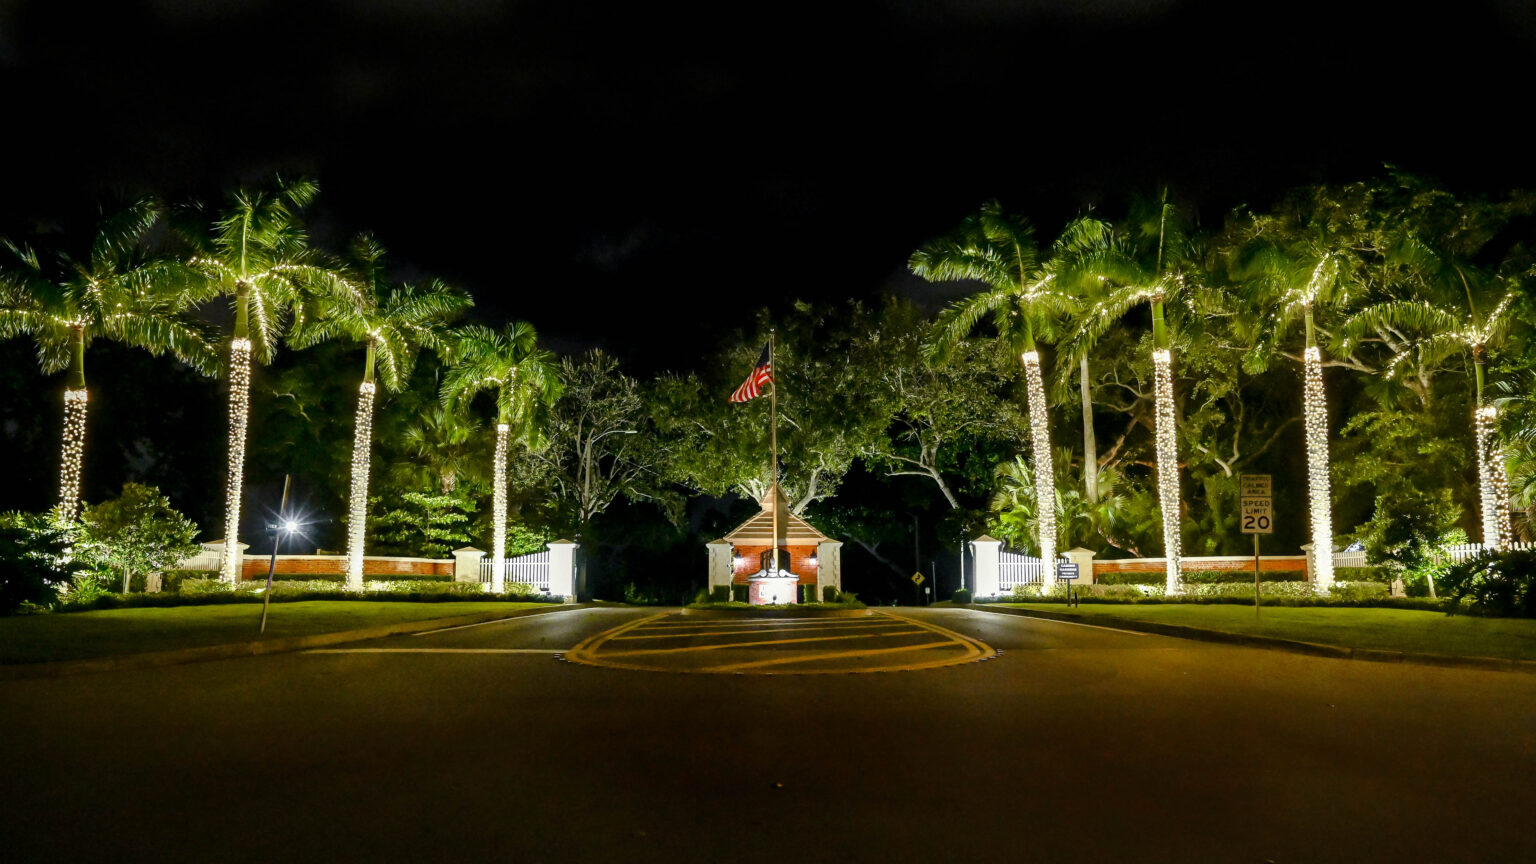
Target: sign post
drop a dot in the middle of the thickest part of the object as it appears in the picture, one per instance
(917, 580)
(1066, 572)
(1258, 517)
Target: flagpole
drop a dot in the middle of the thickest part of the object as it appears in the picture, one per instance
(773, 456)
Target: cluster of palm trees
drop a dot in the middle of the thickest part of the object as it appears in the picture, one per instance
(1421, 302)
(152, 276)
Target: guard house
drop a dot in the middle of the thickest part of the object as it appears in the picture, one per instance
(809, 561)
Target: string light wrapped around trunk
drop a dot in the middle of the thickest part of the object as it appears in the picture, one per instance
(1493, 483)
(357, 510)
(1315, 419)
(239, 414)
(1167, 467)
(499, 510)
(73, 451)
(1045, 486)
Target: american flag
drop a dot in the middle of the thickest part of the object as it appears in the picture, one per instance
(753, 386)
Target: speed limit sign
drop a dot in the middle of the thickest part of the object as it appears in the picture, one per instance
(1258, 512)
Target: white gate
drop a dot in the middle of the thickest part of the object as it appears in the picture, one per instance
(531, 569)
(1016, 569)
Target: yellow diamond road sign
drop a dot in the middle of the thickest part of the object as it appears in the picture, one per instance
(917, 578)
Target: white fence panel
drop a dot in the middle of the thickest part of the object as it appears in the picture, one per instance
(1015, 569)
(1458, 552)
(532, 569)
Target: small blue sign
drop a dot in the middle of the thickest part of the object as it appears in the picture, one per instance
(1066, 570)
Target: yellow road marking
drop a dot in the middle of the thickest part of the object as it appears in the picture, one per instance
(771, 622)
(591, 643)
(833, 655)
(685, 635)
(587, 652)
(692, 648)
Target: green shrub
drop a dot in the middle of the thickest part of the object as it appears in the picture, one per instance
(1362, 574)
(962, 595)
(850, 600)
(739, 593)
(720, 594)
(1499, 583)
(1201, 577)
(1357, 590)
(202, 586)
(829, 593)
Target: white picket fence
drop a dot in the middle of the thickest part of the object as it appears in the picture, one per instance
(531, 569)
(1458, 552)
(1014, 568)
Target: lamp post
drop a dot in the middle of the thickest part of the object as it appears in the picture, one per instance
(586, 495)
(283, 528)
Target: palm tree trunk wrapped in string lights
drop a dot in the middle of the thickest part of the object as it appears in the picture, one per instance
(357, 509)
(239, 415)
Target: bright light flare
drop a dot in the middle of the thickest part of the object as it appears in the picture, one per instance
(1167, 468)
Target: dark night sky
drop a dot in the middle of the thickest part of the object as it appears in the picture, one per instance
(674, 167)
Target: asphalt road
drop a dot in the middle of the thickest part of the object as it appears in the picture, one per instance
(478, 744)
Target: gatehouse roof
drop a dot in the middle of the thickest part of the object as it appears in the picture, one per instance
(758, 531)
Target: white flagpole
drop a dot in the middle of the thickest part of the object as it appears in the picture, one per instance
(773, 461)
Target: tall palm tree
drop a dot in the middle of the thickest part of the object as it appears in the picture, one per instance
(1149, 266)
(998, 249)
(117, 292)
(393, 324)
(525, 381)
(1454, 306)
(257, 254)
(1287, 282)
(1084, 240)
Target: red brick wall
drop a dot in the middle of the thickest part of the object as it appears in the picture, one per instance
(333, 565)
(752, 561)
(1275, 564)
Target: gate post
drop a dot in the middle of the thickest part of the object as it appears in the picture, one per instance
(829, 567)
(1083, 558)
(562, 568)
(984, 550)
(721, 569)
(466, 564)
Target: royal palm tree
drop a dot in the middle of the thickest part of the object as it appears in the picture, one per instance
(1147, 264)
(257, 254)
(1286, 284)
(118, 292)
(393, 324)
(1452, 306)
(525, 382)
(998, 249)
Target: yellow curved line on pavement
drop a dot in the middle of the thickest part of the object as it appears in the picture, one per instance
(587, 653)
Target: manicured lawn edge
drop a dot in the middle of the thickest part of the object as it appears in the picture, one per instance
(1272, 643)
(286, 644)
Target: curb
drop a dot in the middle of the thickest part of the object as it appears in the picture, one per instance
(176, 657)
(1271, 643)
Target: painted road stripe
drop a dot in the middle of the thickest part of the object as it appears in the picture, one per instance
(691, 648)
(834, 655)
(482, 624)
(686, 635)
(773, 622)
(1081, 624)
(437, 651)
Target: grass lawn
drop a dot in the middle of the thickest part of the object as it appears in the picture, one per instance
(1384, 629)
(79, 635)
